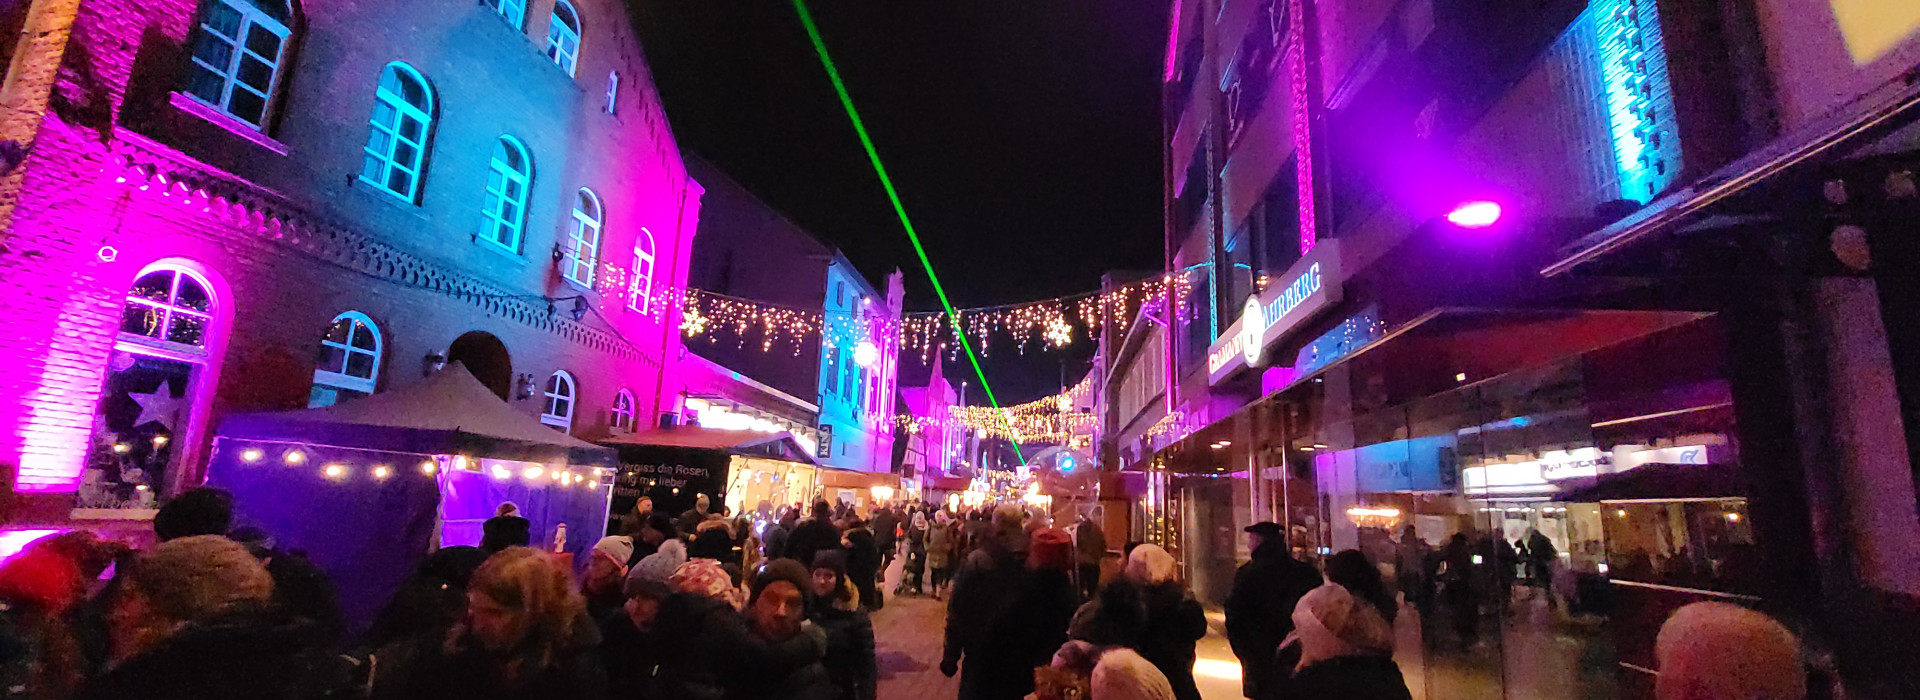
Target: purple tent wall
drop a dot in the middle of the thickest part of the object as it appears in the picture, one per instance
(368, 534)
(471, 497)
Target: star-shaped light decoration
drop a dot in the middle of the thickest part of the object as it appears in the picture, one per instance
(158, 406)
(693, 323)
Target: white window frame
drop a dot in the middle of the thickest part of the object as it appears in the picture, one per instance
(613, 91)
(169, 310)
(584, 233)
(563, 41)
(640, 281)
(514, 11)
(623, 413)
(402, 109)
(251, 15)
(491, 222)
(342, 380)
(561, 392)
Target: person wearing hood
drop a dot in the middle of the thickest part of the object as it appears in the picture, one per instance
(1175, 621)
(813, 535)
(525, 636)
(603, 584)
(505, 529)
(1260, 607)
(191, 620)
(1026, 627)
(863, 563)
(1346, 650)
(837, 611)
(777, 613)
(630, 649)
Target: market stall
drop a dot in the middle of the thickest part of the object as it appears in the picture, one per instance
(370, 487)
(738, 468)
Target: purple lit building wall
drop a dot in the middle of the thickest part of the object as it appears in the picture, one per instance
(287, 250)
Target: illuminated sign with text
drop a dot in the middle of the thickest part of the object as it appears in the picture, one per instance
(1271, 314)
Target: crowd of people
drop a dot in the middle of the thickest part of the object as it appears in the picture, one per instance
(701, 606)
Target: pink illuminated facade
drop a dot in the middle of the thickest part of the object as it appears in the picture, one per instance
(224, 206)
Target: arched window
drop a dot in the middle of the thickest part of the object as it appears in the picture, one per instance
(349, 363)
(583, 239)
(623, 411)
(563, 36)
(158, 381)
(503, 212)
(402, 123)
(168, 307)
(640, 285)
(560, 393)
(238, 50)
(514, 11)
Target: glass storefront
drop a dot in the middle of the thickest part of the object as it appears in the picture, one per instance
(1478, 504)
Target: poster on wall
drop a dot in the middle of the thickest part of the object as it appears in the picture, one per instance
(134, 446)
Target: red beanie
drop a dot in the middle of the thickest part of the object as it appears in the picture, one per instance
(1050, 549)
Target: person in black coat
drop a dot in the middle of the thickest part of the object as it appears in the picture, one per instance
(886, 535)
(1036, 601)
(1260, 607)
(525, 636)
(1174, 620)
(836, 610)
(192, 620)
(863, 564)
(813, 535)
(1345, 649)
(1352, 570)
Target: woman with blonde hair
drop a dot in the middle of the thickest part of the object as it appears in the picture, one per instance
(526, 635)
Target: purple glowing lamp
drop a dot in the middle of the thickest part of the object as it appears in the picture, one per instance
(1476, 214)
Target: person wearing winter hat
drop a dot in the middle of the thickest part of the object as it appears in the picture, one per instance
(1107, 673)
(190, 620)
(836, 610)
(505, 529)
(604, 581)
(1346, 649)
(631, 647)
(777, 615)
(1175, 622)
(653, 575)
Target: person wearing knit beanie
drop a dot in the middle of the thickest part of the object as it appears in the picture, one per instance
(1150, 565)
(779, 600)
(653, 575)
(706, 578)
(604, 582)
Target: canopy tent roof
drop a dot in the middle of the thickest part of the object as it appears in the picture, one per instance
(448, 413)
(1662, 482)
(781, 445)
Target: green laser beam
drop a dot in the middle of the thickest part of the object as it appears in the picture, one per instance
(866, 142)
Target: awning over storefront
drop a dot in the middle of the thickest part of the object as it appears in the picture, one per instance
(1662, 482)
(1842, 134)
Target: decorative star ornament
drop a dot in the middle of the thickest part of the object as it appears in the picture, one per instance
(158, 406)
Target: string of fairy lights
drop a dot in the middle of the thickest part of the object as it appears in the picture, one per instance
(1052, 324)
(1054, 419)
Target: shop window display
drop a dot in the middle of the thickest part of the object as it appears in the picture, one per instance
(138, 431)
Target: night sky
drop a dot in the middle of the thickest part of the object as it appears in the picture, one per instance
(1023, 136)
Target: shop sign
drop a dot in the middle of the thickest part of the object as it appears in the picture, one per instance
(1271, 314)
(1574, 464)
(1419, 464)
(1625, 459)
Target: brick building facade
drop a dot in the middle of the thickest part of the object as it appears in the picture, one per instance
(419, 182)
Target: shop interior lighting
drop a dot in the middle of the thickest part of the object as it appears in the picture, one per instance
(893, 197)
